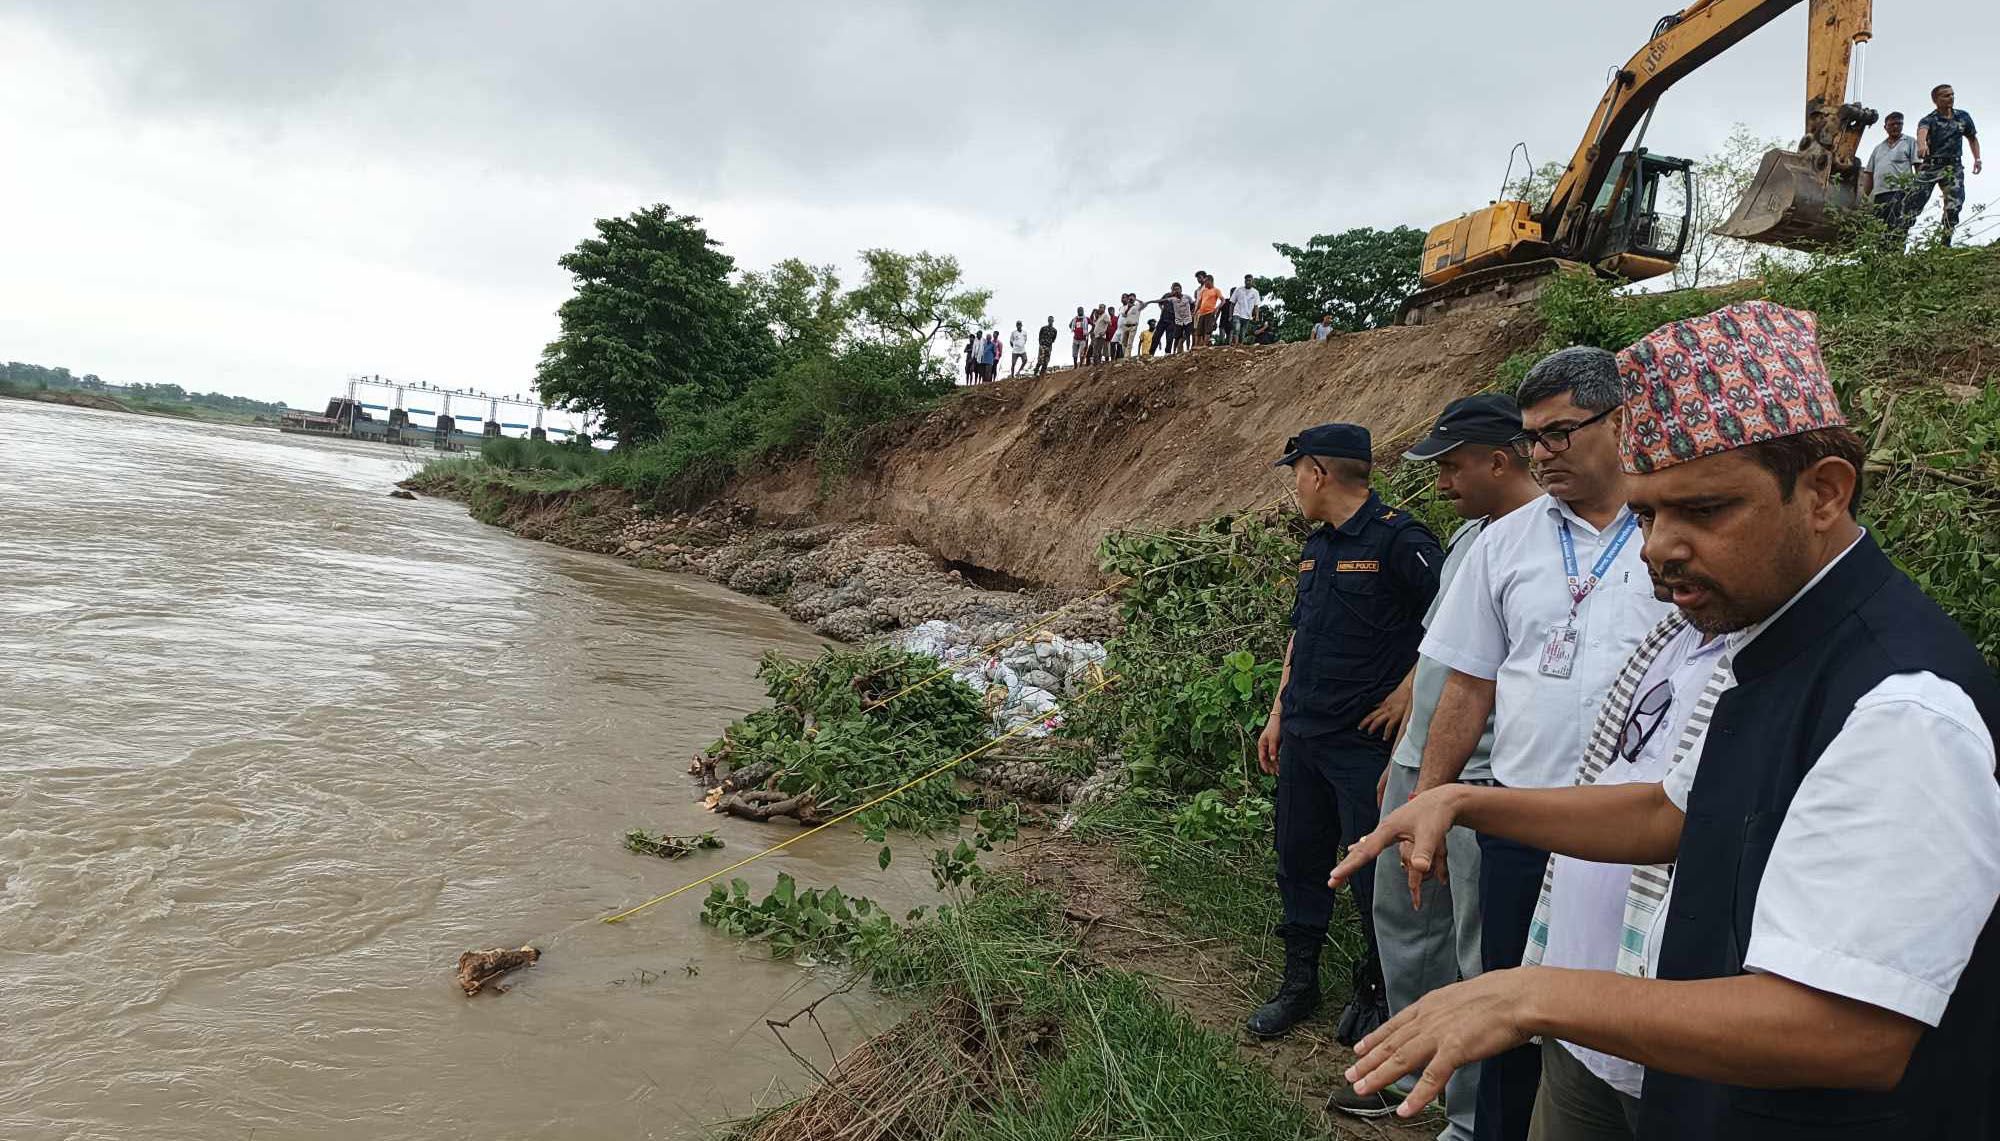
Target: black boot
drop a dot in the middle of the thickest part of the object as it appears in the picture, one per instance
(1298, 995)
(1367, 1004)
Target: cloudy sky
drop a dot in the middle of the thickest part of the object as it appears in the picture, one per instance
(262, 196)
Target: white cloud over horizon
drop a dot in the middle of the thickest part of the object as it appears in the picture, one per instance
(261, 198)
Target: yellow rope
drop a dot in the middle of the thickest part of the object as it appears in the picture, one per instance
(953, 763)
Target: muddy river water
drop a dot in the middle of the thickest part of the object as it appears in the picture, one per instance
(275, 748)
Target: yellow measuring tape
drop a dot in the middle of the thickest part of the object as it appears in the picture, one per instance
(951, 764)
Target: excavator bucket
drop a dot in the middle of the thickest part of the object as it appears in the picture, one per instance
(1792, 202)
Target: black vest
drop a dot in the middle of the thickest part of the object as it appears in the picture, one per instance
(1796, 684)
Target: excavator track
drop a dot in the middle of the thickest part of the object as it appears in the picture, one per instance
(1499, 287)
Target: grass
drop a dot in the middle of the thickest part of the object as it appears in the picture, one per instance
(1220, 889)
(1025, 1040)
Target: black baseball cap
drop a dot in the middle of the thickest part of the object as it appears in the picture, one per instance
(1489, 418)
(1334, 441)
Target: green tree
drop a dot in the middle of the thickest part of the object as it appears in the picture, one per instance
(655, 327)
(915, 297)
(1360, 276)
(803, 307)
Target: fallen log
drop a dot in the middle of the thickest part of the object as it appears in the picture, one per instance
(477, 969)
(763, 804)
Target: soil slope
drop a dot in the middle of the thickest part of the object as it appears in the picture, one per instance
(1025, 476)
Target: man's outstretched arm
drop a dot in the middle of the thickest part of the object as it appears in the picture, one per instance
(1753, 1030)
(1609, 824)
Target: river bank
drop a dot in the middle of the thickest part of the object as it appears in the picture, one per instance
(77, 398)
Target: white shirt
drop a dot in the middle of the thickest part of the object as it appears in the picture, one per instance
(1897, 160)
(1587, 900)
(1130, 318)
(1885, 868)
(1497, 617)
(1245, 300)
(1018, 340)
(1322, 332)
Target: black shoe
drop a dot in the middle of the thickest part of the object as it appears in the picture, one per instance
(1298, 995)
(1345, 1100)
(1367, 1006)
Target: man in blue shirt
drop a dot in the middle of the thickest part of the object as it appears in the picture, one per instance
(1941, 139)
(1366, 579)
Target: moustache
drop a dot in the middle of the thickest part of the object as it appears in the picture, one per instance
(1667, 576)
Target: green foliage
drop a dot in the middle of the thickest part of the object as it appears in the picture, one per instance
(18, 378)
(1212, 818)
(803, 306)
(1898, 329)
(1361, 276)
(838, 733)
(668, 847)
(952, 867)
(1086, 1053)
(654, 318)
(908, 299)
(1206, 621)
(824, 923)
(519, 454)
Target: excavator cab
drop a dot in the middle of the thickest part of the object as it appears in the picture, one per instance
(1639, 223)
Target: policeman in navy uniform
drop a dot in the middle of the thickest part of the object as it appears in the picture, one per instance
(1365, 581)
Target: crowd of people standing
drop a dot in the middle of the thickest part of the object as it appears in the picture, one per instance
(1115, 330)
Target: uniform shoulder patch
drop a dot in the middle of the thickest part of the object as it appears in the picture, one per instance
(1360, 566)
(1308, 565)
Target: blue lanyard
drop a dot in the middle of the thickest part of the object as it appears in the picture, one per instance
(1578, 591)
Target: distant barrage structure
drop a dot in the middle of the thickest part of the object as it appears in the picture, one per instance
(352, 415)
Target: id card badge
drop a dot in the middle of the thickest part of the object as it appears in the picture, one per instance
(1559, 652)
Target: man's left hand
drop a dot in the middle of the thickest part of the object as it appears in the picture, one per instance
(1459, 1025)
(1386, 720)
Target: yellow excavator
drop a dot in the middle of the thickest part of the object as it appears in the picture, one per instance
(1625, 212)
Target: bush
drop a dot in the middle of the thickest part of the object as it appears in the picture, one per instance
(838, 731)
(1206, 621)
(822, 405)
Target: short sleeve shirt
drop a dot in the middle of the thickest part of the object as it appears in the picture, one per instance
(1892, 164)
(1500, 613)
(1048, 335)
(1947, 135)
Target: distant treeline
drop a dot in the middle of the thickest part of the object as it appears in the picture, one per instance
(15, 374)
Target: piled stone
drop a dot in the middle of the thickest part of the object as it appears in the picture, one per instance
(848, 582)
(1023, 681)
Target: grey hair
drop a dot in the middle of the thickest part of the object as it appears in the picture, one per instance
(1589, 376)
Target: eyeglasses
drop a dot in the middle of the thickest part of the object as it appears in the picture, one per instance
(1556, 440)
(1648, 714)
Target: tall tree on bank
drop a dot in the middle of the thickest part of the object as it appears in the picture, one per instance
(912, 298)
(803, 307)
(654, 321)
(1361, 276)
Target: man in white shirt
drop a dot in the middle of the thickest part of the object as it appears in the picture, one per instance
(1324, 329)
(1130, 319)
(1243, 303)
(1824, 963)
(1017, 343)
(1550, 602)
(1890, 174)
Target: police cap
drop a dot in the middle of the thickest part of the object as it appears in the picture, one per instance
(1488, 418)
(1334, 441)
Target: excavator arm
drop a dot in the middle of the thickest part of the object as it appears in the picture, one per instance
(1680, 44)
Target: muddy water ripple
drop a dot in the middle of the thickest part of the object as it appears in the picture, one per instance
(275, 748)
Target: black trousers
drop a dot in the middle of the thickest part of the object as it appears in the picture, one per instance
(1510, 882)
(1326, 800)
